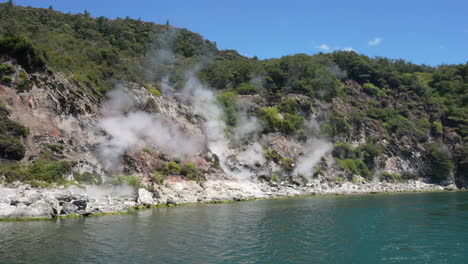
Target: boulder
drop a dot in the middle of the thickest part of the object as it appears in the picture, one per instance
(145, 197)
(69, 208)
(170, 201)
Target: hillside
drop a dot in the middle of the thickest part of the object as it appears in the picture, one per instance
(91, 100)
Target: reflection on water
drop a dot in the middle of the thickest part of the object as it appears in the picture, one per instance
(397, 228)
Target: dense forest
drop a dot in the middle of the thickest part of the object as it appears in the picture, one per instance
(409, 106)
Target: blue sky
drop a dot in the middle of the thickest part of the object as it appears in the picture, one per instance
(430, 32)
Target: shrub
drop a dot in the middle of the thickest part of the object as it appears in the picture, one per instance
(227, 100)
(272, 122)
(6, 79)
(406, 175)
(271, 154)
(10, 135)
(246, 89)
(23, 83)
(370, 89)
(22, 49)
(439, 161)
(389, 177)
(11, 148)
(342, 150)
(158, 177)
(402, 126)
(368, 152)
(291, 123)
(172, 168)
(40, 170)
(437, 129)
(50, 171)
(154, 91)
(270, 118)
(354, 166)
(190, 171)
(6, 69)
(132, 180)
(373, 90)
(54, 147)
(274, 177)
(87, 177)
(337, 126)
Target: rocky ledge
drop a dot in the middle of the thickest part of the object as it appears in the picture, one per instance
(18, 200)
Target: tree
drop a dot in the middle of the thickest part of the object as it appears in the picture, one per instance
(51, 7)
(439, 161)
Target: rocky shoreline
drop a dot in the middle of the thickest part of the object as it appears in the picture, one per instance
(19, 201)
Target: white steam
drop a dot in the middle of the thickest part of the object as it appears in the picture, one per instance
(129, 129)
(316, 147)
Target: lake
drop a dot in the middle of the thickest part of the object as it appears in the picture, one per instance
(383, 228)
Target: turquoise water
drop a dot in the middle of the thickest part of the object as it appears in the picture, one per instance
(387, 228)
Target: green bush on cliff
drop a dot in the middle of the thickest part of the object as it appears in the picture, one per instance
(39, 170)
(272, 121)
(227, 100)
(87, 177)
(439, 161)
(437, 128)
(190, 171)
(10, 137)
(22, 49)
(11, 148)
(132, 180)
(404, 127)
(354, 166)
(171, 168)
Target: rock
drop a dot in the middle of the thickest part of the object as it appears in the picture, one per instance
(450, 187)
(145, 197)
(69, 208)
(6, 210)
(40, 208)
(170, 201)
(81, 204)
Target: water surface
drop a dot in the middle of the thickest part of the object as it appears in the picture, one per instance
(384, 228)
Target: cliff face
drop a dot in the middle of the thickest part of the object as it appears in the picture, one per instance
(66, 123)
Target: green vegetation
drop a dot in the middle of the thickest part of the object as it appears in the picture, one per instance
(157, 177)
(286, 163)
(227, 100)
(6, 70)
(22, 49)
(390, 177)
(439, 161)
(154, 91)
(357, 160)
(188, 170)
(87, 177)
(11, 134)
(172, 168)
(132, 180)
(42, 169)
(274, 177)
(274, 122)
(354, 166)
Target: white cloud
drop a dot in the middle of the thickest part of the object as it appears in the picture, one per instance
(323, 47)
(375, 41)
(348, 49)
